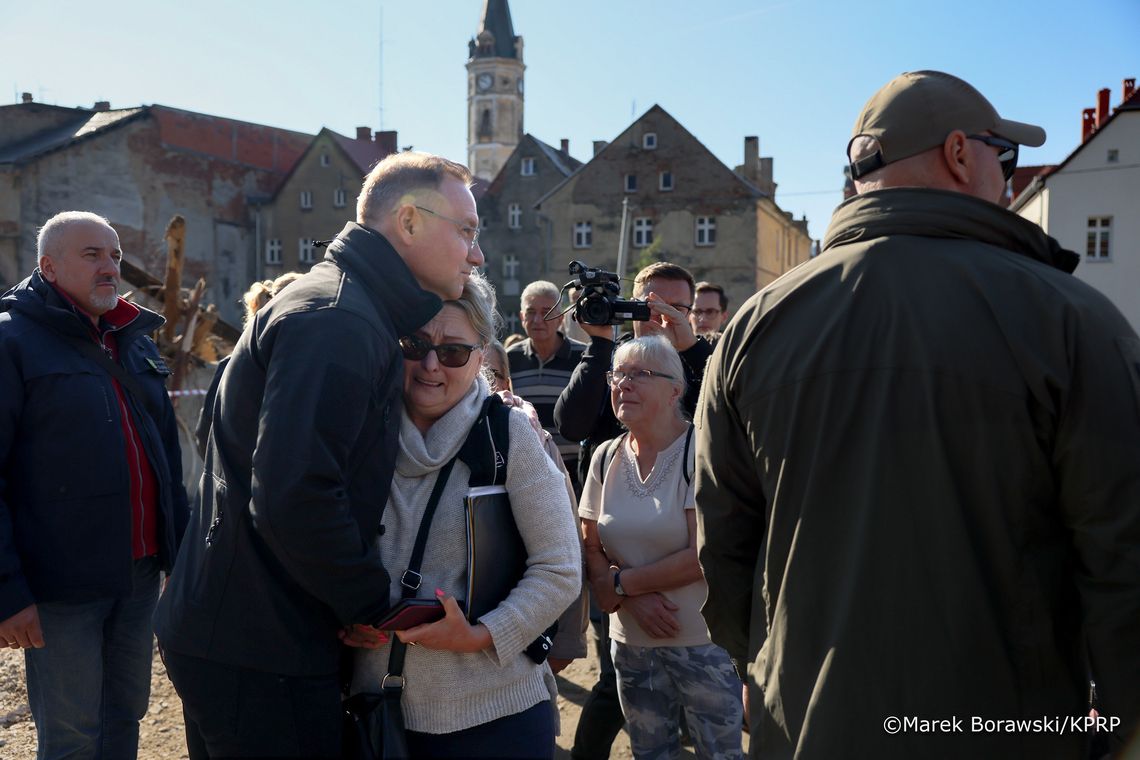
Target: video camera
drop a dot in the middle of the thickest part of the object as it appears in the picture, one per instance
(598, 303)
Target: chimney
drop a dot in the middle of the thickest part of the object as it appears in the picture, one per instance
(764, 176)
(386, 140)
(26, 97)
(1088, 123)
(599, 146)
(1129, 88)
(751, 157)
(566, 146)
(102, 105)
(364, 133)
(1102, 107)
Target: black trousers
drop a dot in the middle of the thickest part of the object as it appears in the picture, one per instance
(529, 734)
(601, 719)
(235, 712)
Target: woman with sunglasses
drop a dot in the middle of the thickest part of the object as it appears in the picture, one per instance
(640, 530)
(470, 691)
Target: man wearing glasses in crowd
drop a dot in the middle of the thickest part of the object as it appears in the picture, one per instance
(710, 310)
(583, 413)
(281, 557)
(918, 466)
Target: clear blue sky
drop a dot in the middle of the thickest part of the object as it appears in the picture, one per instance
(794, 72)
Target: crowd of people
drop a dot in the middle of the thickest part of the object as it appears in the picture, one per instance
(899, 488)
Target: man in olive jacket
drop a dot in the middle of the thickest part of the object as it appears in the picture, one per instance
(282, 553)
(918, 466)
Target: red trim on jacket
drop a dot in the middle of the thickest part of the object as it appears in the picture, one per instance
(143, 483)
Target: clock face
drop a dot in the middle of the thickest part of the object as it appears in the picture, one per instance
(485, 81)
(520, 86)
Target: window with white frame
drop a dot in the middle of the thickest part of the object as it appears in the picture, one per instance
(305, 250)
(514, 216)
(325, 161)
(527, 167)
(340, 197)
(306, 199)
(273, 251)
(665, 181)
(706, 230)
(631, 183)
(1099, 239)
(510, 266)
(649, 141)
(583, 234)
(642, 231)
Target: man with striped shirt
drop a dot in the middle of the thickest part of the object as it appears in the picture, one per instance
(542, 364)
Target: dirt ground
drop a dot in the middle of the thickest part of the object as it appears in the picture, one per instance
(161, 736)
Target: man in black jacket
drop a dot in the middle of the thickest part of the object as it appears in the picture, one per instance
(91, 499)
(583, 413)
(282, 554)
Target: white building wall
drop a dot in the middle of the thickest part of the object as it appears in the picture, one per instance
(1092, 186)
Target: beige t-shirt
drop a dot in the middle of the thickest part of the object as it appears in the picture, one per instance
(640, 522)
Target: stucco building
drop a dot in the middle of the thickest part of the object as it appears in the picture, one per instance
(684, 206)
(514, 236)
(315, 199)
(1090, 202)
(139, 167)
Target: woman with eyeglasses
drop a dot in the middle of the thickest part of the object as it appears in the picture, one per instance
(640, 530)
(469, 689)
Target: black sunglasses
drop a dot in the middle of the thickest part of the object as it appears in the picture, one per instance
(449, 354)
(1007, 155)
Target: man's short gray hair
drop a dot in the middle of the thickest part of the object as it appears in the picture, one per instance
(48, 236)
(656, 353)
(400, 174)
(478, 302)
(540, 288)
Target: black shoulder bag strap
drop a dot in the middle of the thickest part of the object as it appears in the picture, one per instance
(411, 578)
(129, 382)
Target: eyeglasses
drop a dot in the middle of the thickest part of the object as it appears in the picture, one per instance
(453, 355)
(705, 313)
(1007, 154)
(616, 377)
(684, 308)
(470, 235)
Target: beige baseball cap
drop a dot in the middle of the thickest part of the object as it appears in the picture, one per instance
(915, 112)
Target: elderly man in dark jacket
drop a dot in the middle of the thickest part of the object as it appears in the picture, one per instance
(918, 466)
(91, 499)
(282, 553)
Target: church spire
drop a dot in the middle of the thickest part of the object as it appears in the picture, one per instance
(496, 38)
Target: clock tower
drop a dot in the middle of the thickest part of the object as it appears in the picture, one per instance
(494, 91)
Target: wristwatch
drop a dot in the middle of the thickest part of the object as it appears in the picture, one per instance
(617, 584)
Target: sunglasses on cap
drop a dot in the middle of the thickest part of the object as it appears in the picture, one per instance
(1007, 153)
(449, 354)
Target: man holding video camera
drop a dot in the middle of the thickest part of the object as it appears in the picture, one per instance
(583, 413)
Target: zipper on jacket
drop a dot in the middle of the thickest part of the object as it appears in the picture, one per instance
(213, 527)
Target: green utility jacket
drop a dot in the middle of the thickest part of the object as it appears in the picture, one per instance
(918, 490)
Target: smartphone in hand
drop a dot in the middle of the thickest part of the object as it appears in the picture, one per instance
(408, 613)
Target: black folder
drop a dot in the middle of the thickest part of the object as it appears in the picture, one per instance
(496, 555)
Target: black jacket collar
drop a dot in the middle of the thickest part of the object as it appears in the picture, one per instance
(38, 300)
(368, 255)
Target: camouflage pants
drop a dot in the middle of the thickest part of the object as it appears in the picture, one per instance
(656, 683)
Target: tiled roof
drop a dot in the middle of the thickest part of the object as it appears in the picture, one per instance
(564, 162)
(364, 153)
